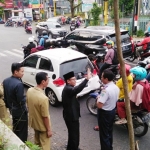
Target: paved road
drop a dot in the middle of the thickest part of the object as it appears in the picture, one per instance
(10, 51)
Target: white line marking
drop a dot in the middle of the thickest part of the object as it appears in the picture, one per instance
(9, 52)
(1, 54)
(18, 51)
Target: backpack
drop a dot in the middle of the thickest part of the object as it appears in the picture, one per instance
(115, 58)
(146, 95)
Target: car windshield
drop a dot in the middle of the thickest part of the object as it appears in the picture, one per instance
(51, 25)
(79, 66)
(125, 38)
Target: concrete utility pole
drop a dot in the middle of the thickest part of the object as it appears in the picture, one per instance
(123, 74)
(139, 9)
(135, 16)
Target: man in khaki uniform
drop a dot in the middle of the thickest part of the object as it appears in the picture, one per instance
(38, 107)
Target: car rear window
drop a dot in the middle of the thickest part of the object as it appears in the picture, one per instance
(125, 38)
(79, 66)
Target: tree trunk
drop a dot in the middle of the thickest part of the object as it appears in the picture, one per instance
(124, 79)
(72, 8)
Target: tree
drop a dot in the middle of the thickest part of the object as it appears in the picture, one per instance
(1, 8)
(73, 7)
(124, 78)
(96, 11)
(126, 6)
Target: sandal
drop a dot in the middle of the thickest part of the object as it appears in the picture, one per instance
(121, 121)
(96, 128)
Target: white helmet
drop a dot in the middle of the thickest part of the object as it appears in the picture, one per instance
(30, 39)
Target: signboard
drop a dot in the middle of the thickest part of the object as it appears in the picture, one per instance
(28, 12)
(86, 7)
(88, 1)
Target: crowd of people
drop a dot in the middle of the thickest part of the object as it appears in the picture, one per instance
(33, 109)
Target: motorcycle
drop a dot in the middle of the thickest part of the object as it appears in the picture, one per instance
(9, 24)
(72, 26)
(144, 54)
(140, 119)
(28, 29)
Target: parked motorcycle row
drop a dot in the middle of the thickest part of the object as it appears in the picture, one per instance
(10, 23)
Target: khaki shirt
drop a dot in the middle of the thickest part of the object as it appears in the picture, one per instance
(1, 96)
(38, 108)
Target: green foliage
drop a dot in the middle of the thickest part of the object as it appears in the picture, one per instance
(128, 6)
(140, 33)
(96, 11)
(1, 8)
(32, 146)
(112, 14)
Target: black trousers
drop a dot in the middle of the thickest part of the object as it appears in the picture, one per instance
(73, 134)
(20, 126)
(105, 122)
(103, 67)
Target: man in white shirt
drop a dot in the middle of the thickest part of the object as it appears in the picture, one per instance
(106, 103)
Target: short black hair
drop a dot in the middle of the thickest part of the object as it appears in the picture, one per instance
(16, 67)
(40, 76)
(108, 74)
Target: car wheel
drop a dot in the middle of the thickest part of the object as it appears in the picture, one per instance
(52, 97)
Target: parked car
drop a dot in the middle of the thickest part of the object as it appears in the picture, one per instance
(57, 62)
(54, 19)
(54, 29)
(84, 39)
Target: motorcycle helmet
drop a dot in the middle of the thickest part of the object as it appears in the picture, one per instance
(127, 68)
(110, 43)
(139, 72)
(44, 33)
(147, 34)
(30, 39)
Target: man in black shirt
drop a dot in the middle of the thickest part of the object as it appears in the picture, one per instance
(71, 108)
(16, 102)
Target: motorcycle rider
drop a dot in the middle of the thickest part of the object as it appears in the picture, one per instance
(43, 38)
(139, 74)
(108, 57)
(27, 23)
(27, 50)
(143, 45)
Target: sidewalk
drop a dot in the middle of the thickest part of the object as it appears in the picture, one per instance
(57, 141)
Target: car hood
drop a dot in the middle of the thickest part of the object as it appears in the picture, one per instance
(57, 29)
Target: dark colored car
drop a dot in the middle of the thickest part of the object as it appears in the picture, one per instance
(85, 38)
(53, 29)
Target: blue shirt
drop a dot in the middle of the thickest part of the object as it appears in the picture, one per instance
(42, 40)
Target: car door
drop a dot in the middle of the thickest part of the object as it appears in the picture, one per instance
(30, 66)
(45, 65)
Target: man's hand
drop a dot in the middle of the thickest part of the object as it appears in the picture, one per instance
(49, 133)
(89, 74)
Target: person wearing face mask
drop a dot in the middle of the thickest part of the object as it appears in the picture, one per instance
(136, 94)
(71, 107)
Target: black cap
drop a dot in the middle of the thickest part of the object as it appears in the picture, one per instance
(68, 75)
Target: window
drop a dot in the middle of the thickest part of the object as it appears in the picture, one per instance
(31, 61)
(95, 36)
(85, 36)
(74, 66)
(73, 36)
(46, 64)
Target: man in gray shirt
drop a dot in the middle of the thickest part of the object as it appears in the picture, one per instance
(106, 103)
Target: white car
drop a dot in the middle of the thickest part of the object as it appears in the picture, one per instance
(57, 62)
